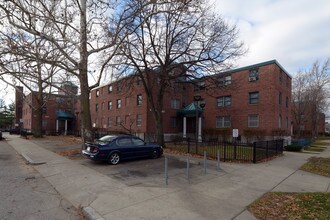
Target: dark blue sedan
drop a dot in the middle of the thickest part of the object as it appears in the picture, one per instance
(114, 148)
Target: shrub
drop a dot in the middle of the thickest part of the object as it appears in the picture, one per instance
(294, 148)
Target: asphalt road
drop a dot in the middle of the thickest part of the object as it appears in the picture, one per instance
(25, 194)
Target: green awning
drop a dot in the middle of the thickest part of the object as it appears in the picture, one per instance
(190, 110)
(62, 115)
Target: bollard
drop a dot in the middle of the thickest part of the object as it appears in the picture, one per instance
(188, 177)
(204, 162)
(218, 156)
(166, 172)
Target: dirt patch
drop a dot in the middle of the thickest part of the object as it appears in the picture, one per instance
(74, 154)
(59, 140)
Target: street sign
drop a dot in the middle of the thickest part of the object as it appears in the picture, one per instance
(235, 133)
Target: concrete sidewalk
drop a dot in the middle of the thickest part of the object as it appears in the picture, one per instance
(222, 194)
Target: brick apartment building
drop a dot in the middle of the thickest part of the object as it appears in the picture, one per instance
(254, 99)
(59, 110)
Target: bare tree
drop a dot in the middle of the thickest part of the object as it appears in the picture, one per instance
(300, 100)
(310, 94)
(20, 58)
(175, 41)
(80, 31)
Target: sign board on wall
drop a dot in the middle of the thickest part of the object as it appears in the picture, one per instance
(235, 133)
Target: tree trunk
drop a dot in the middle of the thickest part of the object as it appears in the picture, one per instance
(38, 126)
(160, 130)
(86, 128)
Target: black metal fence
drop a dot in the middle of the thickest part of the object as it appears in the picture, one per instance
(231, 151)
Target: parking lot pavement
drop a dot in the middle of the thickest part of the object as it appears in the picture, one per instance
(151, 172)
(143, 172)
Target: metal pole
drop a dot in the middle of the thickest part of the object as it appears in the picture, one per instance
(218, 156)
(196, 106)
(204, 162)
(188, 177)
(166, 172)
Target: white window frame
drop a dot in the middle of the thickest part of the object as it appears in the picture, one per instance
(223, 122)
(139, 120)
(224, 101)
(253, 121)
(175, 104)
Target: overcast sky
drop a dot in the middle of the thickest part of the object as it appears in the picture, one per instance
(294, 32)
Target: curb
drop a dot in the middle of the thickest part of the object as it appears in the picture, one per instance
(30, 161)
(91, 214)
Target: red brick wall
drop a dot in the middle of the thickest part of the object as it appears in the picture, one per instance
(268, 85)
(272, 80)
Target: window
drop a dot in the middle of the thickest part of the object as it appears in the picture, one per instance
(253, 75)
(287, 102)
(109, 105)
(138, 81)
(225, 80)
(119, 86)
(118, 103)
(175, 104)
(279, 121)
(173, 122)
(139, 100)
(287, 122)
(97, 93)
(253, 97)
(223, 122)
(110, 89)
(253, 121)
(138, 142)
(124, 142)
(139, 120)
(96, 107)
(200, 86)
(280, 98)
(44, 123)
(224, 101)
(118, 120)
(109, 122)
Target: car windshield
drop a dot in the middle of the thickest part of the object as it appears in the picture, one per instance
(107, 138)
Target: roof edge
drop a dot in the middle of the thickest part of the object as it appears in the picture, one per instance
(259, 65)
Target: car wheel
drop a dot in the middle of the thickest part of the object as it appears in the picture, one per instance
(114, 158)
(155, 154)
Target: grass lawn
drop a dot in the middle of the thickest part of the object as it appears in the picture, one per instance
(318, 165)
(314, 148)
(320, 143)
(228, 152)
(277, 205)
(324, 138)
